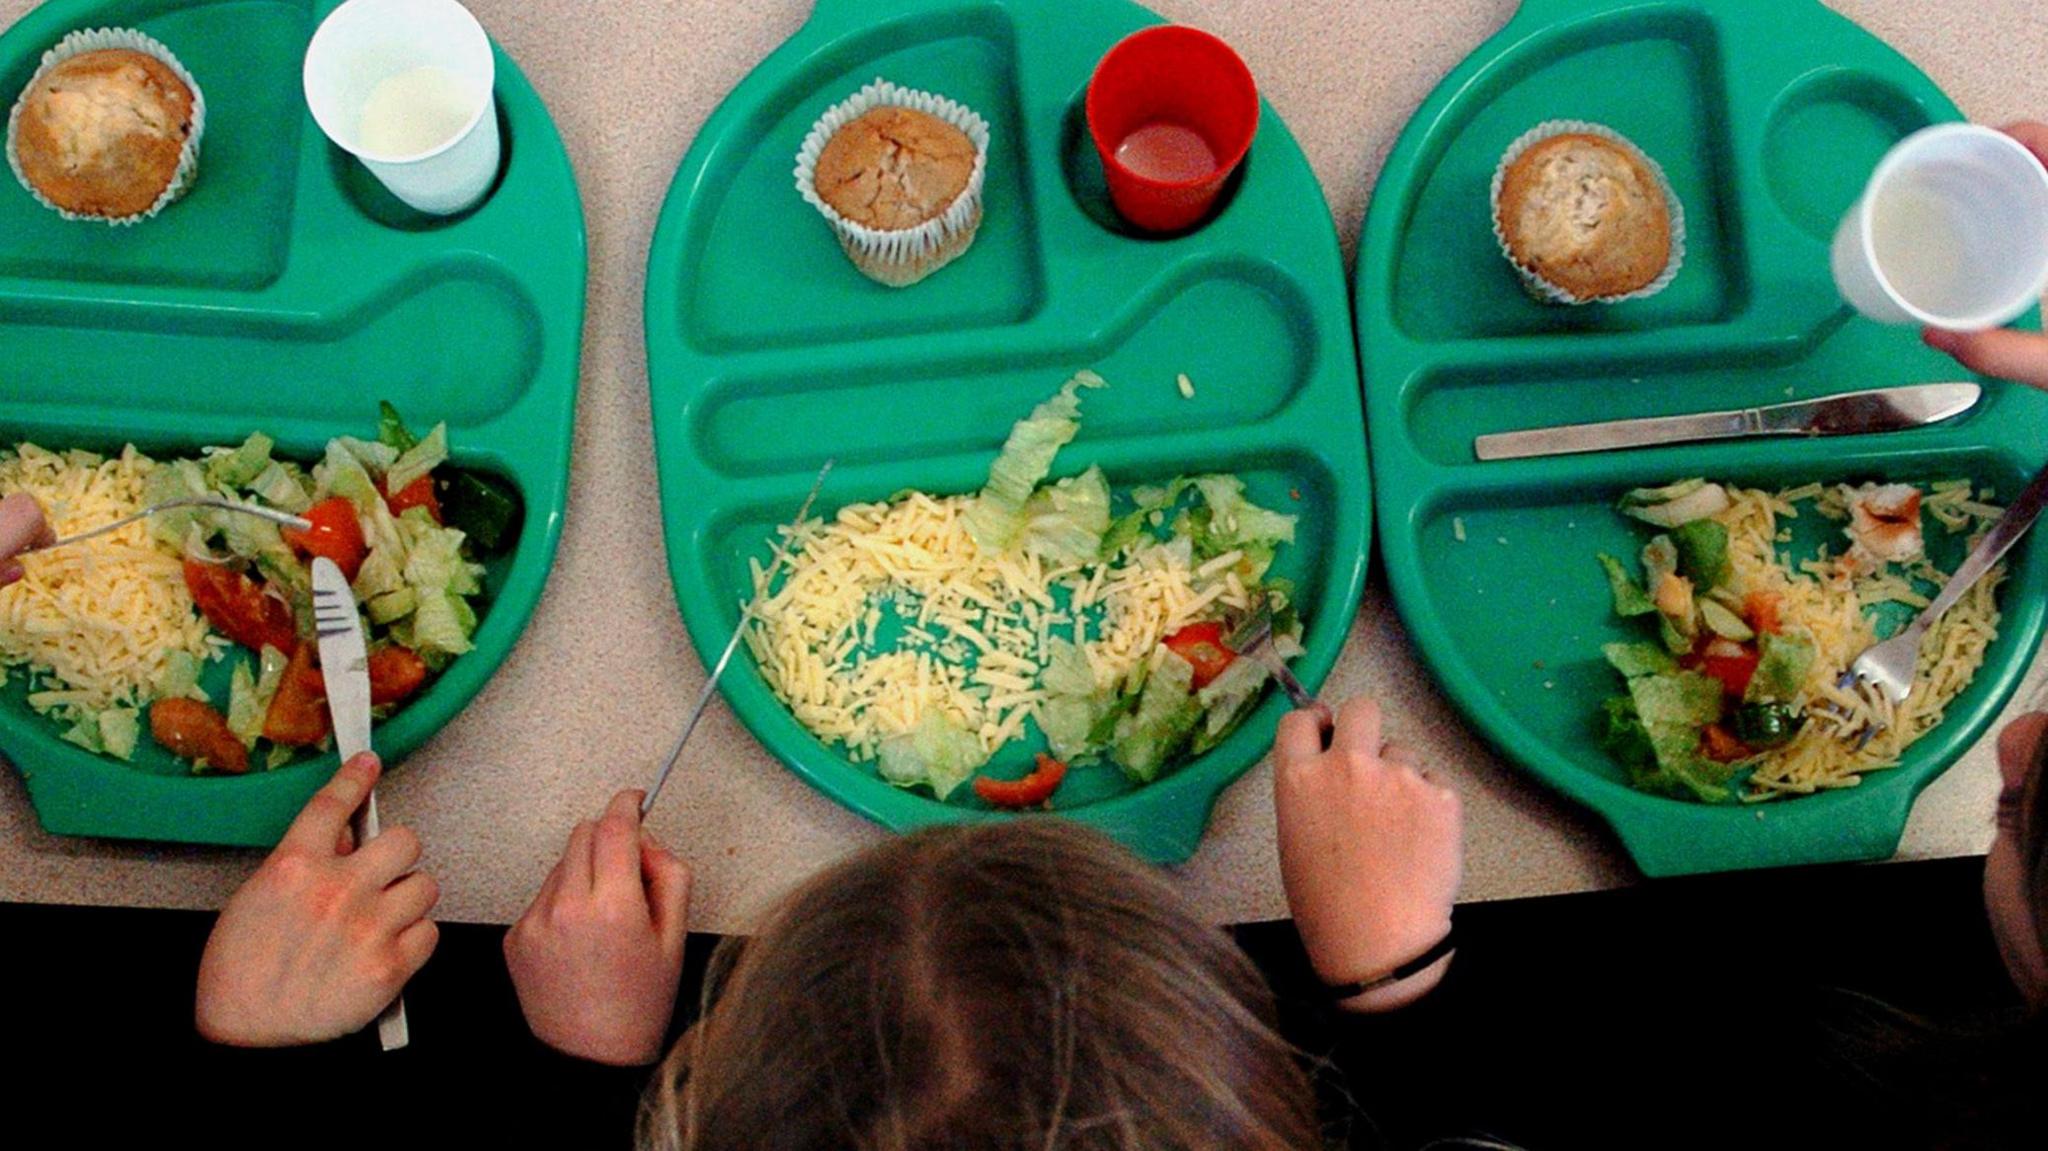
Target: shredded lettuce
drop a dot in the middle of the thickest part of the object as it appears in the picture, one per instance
(375, 455)
(418, 460)
(281, 488)
(1064, 522)
(1635, 659)
(939, 754)
(996, 519)
(1235, 521)
(179, 678)
(233, 469)
(1784, 661)
(1685, 699)
(249, 696)
(1630, 600)
(1166, 715)
(1073, 704)
(342, 474)
(119, 728)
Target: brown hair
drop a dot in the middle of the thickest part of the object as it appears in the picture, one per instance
(1021, 984)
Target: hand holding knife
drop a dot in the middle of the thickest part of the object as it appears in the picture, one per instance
(345, 669)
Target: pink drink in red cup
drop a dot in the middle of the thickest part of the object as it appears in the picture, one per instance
(1173, 111)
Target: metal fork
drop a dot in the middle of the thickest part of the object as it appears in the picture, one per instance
(1889, 666)
(282, 519)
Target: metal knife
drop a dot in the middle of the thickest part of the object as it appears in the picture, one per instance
(345, 669)
(675, 752)
(1851, 413)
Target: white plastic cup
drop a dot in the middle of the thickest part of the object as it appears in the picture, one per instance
(1951, 232)
(365, 43)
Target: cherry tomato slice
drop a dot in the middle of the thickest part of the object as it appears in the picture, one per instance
(395, 673)
(1029, 791)
(194, 731)
(239, 608)
(1722, 747)
(1734, 672)
(1761, 609)
(417, 494)
(298, 712)
(1201, 644)
(336, 534)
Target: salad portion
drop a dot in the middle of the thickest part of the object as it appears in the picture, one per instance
(110, 629)
(928, 632)
(1735, 690)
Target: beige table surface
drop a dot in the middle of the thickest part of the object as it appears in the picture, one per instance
(596, 688)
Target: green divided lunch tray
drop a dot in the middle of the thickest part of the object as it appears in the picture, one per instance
(1768, 116)
(286, 293)
(768, 353)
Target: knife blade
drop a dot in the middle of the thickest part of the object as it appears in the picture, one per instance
(345, 670)
(1850, 413)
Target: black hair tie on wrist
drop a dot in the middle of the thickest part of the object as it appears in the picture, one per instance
(1338, 992)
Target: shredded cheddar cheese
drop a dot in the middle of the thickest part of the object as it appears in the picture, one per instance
(1827, 596)
(101, 618)
(978, 628)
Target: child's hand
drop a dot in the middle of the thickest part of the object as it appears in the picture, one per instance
(1371, 852)
(598, 956)
(324, 935)
(2001, 352)
(21, 527)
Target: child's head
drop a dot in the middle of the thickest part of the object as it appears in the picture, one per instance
(1023, 984)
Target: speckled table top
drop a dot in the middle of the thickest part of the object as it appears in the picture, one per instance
(584, 707)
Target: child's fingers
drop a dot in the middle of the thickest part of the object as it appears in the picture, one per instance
(668, 895)
(2033, 134)
(384, 859)
(1358, 728)
(1300, 737)
(2000, 353)
(616, 853)
(408, 901)
(21, 523)
(416, 945)
(319, 826)
(10, 570)
(576, 859)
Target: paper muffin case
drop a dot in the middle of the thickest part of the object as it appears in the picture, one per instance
(94, 40)
(1542, 289)
(903, 256)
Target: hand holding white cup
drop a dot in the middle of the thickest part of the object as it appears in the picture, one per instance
(406, 86)
(1950, 233)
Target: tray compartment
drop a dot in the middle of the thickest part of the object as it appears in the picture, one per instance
(747, 425)
(232, 228)
(1824, 137)
(744, 527)
(1447, 408)
(1540, 706)
(1651, 74)
(393, 346)
(761, 276)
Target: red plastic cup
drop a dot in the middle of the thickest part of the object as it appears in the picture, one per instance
(1173, 111)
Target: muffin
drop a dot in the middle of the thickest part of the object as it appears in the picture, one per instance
(1584, 216)
(107, 129)
(898, 175)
